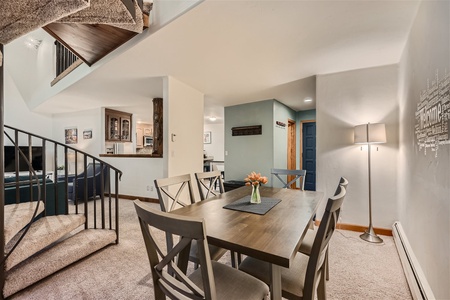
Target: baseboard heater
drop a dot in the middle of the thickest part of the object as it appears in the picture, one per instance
(418, 284)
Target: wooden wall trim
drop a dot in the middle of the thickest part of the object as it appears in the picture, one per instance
(359, 228)
(129, 197)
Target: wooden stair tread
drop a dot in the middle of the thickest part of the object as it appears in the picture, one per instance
(41, 234)
(56, 258)
(17, 216)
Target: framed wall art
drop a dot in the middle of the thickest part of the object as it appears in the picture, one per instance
(207, 137)
(87, 134)
(71, 135)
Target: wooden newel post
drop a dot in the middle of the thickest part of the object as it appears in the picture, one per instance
(157, 126)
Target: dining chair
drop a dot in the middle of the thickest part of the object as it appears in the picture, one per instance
(306, 275)
(175, 192)
(208, 183)
(212, 280)
(298, 175)
(307, 243)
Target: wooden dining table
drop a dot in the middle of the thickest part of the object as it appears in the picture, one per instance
(274, 237)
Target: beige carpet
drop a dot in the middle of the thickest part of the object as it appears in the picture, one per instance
(101, 12)
(358, 270)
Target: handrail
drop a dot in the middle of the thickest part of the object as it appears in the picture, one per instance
(64, 145)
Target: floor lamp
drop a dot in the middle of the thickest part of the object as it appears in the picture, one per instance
(370, 134)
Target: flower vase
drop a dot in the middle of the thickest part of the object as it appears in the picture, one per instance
(255, 198)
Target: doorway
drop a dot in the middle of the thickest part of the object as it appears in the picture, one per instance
(292, 150)
(308, 153)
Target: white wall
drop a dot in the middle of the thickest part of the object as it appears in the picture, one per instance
(424, 179)
(217, 146)
(82, 120)
(185, 122)
(18, 115)
(138, 175)
(345, 100)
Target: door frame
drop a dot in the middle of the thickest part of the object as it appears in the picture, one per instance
(291, 149)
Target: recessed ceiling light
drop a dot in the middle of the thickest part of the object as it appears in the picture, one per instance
(32, 43)
(308, 99)
(212, 118)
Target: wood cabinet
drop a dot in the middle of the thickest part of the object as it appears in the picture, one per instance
(148, 130)
(118, 126)
(139, 137)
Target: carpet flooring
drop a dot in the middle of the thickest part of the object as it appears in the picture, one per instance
(358, 270)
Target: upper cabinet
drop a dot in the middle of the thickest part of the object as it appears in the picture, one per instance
(118, 126)
(143, 130)
(148, 130)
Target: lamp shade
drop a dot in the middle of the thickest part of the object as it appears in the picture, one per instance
(370, 134)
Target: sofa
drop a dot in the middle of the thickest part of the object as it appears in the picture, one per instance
(94, 182)
(51, 202)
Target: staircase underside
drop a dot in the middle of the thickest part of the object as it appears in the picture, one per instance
(90, 42)
(55, 258)
(91, 29)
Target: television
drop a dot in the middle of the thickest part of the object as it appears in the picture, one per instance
(10, 158)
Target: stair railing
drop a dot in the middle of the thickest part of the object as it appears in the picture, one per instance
(33, 178)
(62, 194)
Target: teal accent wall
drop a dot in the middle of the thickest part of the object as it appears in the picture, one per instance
(281, 113)
(259, 153)
(306, 115)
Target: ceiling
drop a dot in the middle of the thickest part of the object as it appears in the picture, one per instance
(243, 51)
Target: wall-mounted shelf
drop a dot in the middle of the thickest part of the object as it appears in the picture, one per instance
(246, 130)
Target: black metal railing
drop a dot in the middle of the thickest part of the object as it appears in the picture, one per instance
(64, 58)
(66, 180)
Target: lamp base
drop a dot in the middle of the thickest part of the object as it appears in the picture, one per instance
(370, 236)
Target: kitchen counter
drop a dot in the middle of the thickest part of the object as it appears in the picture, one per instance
(131, 155)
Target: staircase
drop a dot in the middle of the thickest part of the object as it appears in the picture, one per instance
(55, 218)
(44, 230)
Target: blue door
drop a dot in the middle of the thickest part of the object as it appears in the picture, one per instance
(309, 154)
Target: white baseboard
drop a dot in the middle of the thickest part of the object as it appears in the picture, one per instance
(418, 284)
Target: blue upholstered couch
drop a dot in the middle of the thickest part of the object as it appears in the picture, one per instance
(94, 182)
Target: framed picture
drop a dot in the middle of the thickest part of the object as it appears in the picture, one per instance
(207, 137)
(87, 134)
(71, 135)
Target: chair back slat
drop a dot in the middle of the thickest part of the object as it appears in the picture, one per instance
(167, 263)
(298, 175)
(172, 192)
(209, 184)
(316, 266)
(344, 183)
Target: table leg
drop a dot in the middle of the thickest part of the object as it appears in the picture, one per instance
(275, 287)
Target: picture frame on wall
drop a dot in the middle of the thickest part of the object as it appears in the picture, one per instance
(71, 135)
(207, 137)
(87, 134)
